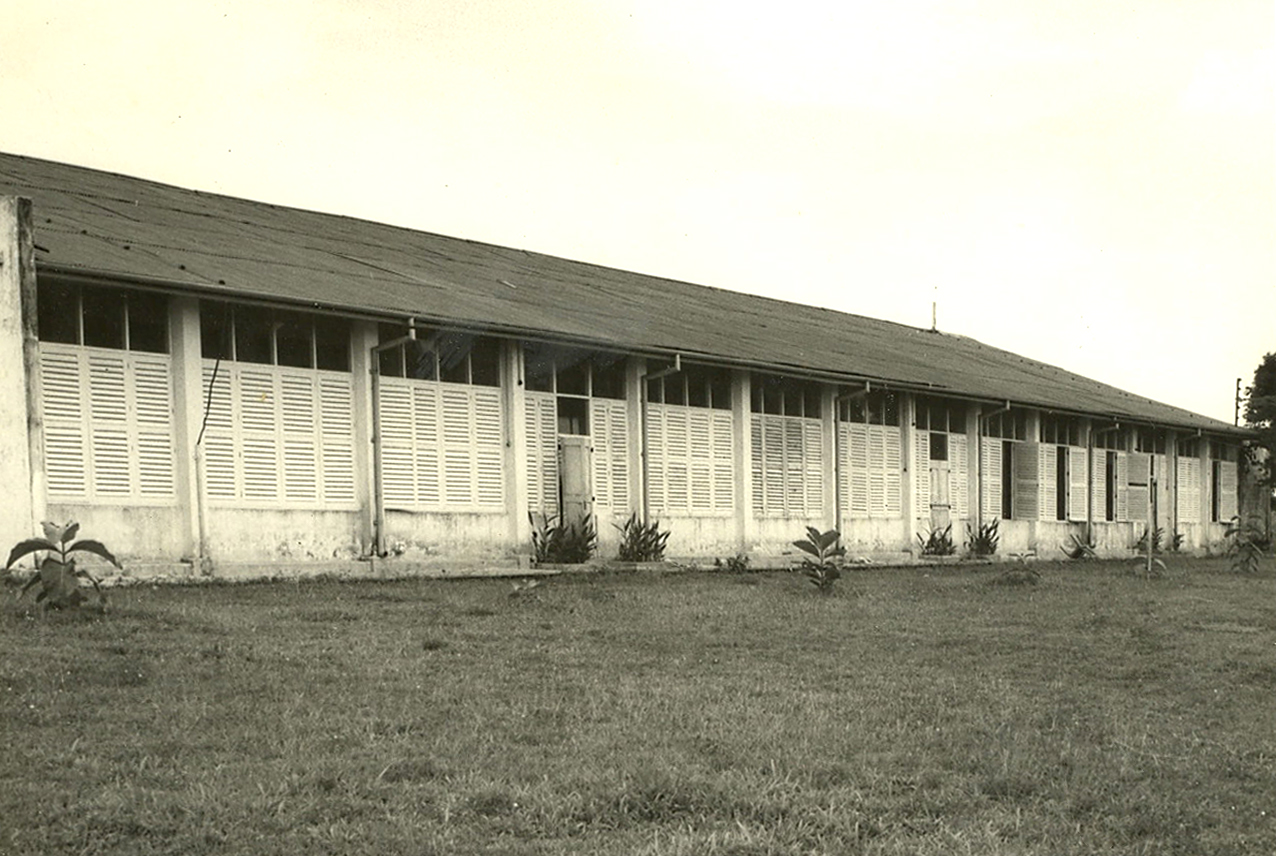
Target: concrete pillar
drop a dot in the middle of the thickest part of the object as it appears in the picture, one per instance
(512, 397)
(741, 417)
(363, 338)
(21, 423)
(189, 397)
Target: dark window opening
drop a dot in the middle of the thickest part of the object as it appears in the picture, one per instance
(332, 343)
(1007, 479)
(104, 317)
(254, 332)
(148, 322)
(573, 415)
(1110, 487)
(59, 313)
(1061, 483)
(485, 362)
(608, 376)
(938, 446)
(292, 340)
(1216, 492)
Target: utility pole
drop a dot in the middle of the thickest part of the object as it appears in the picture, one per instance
(1236, 418)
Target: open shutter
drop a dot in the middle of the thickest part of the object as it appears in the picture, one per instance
(991, 478)
(1047, 481)
(1078, 489)
(489, 447)
(1099, 483)
(1027, 463)
(757, 455)
(1227, 481)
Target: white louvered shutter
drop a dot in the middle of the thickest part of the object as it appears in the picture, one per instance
(812, 468)
(1227, 485)
(793, 493)
(458, 449)
(1122, 486)
(757, 464)
(1099, 484)
(675, 452)
(921, 474)
(723, 432)
(398, 474)
(541, 426)
(298, 424)
(65, 461)
(1078, 491)
(892, 466)
(773, 463)
(1047, 481)
(1188, 484)
(222, 472)
(336, 437)
(489, 447)
(959, 475)
(856, 469)
(1026, 460)
(609, 432)
(991, 478)
(152, 416)
(108, 412)
(700, 459)
(258, 407)
(1139, 468)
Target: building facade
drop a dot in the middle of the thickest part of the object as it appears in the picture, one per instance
(232, 388)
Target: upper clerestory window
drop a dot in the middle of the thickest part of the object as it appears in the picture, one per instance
(102, 317)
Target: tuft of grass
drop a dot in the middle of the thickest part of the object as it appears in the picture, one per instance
(626, 714)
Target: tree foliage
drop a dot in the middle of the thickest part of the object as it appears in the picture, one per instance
(1260, 414)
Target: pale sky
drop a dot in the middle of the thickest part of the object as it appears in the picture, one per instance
(1088, 184)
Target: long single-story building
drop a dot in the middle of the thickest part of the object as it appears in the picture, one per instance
(229, 386)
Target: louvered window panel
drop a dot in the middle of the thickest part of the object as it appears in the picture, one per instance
(1122, 486)
(541, 425)
(443, 446)
(108, 424)
(921, 474)
(1047, 481)
(959, 475)
(1098, 484)
(278, 436)
(788, 466)
(1026, 460)
(690, 454)
(1227, 484)
(991, 478)
(893, 466)
(723, 438)
(1188, 482)
(757, 457)
(609, 430)
(1077, 487)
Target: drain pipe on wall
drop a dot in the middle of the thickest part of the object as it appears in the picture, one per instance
(642, 392)
(979, 452)
(378, 489)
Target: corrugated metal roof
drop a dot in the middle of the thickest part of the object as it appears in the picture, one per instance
(100, 223)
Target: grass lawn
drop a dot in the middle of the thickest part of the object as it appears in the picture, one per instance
(911, 712)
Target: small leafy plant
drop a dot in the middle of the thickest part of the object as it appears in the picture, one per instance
(822, 564)
(938, 542)
(737, 564)
(60, 581)
(1158, 536)
(554, 543)
(984, 541)
(1247, 543)
(642, 542)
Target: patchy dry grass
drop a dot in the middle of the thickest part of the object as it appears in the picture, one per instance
(913, 712)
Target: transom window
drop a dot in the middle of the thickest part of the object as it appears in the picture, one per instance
(1150, 440)
(941, 415)
(281, 337)
(695, 386)
(1109, 436)
(1220, 451)
(786, 396)
(1060, 430)
(572, 371)
(450, 356)
(879, 407)
(102, 317)
(1008, 425)
(1189, 447)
